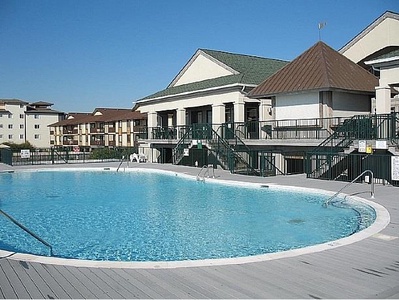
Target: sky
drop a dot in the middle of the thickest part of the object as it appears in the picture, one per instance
(84, 54)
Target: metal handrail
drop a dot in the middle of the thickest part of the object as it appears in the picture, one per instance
(206, 167)
(28, 231)
(348, 184)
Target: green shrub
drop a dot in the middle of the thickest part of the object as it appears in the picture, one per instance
(18, 147)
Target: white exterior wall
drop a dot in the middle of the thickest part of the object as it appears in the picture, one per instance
(39, 137)
(384, 35)
(347, 105)
(297, 106)
(16, 134)
(180, 105)
(389, 75)
(201, 68)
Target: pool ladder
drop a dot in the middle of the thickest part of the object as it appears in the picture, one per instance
(350, 183)
(28, 231)
(205, 168)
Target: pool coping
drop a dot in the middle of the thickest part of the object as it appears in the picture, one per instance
(381, 222)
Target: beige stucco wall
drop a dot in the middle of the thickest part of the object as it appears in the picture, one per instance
(15, 121)
(306, 105)
(383, 35)
(389, 75)
(297, 106)
(201, 68)
(39, 137)
(347, 104)
(180, 105)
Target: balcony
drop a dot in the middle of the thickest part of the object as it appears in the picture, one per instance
(97, 130)
(288, 129)
(97, 143)
(70, 142)
(69, 131)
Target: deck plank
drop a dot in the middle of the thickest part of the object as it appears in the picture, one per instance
(63, 282)
(7, 282)
(72, 276)
(135, 284)
(19, 267)
(162, 284)
(365, 269)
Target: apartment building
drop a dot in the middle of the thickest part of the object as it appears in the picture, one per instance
(104, 127)
(21, 121)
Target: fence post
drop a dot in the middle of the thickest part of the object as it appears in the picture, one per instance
(52, 155)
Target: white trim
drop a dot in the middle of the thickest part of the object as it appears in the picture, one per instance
(386, 15)
(382, 60)
(194, 92)
(193, 58)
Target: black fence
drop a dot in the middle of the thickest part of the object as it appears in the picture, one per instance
(65, 155)
(346, 167)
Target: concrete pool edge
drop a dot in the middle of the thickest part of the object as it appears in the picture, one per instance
(381, 221)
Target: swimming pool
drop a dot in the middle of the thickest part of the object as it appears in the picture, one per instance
(147, 216)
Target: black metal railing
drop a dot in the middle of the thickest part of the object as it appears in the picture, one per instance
(327, 161)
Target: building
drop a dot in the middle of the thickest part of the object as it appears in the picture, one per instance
(320, 83)
(275, 122)
(313, 102)
(376, 48)
(104, 127)
(387, 92)
(21, 121)
(211, 88)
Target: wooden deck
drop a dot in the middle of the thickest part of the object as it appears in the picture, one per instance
(365, 269)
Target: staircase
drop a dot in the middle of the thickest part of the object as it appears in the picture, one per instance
(235, 156)
(332, 158)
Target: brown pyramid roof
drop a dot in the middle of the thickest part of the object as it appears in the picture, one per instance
(318, 68)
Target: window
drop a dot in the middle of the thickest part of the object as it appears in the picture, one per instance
(37, 126)
(1, 115)
(21, 116)
(1, 125)
(9, 126)
(10, 136)
(21, 126)
(36, 116)
(21, 106)
(37, 136)
(10, 116)
(21, 136)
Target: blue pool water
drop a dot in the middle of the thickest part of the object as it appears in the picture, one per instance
(144, 216)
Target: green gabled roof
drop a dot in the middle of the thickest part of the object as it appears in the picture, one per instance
(252, 71)
(390, 54)
(253, 68)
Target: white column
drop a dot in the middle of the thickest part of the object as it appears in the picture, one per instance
(170, 120)
(383, 99)
(180, 121)
(218, 115)
(264, 115)
(239, 112)
(152, 119)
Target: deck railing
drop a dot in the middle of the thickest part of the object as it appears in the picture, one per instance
(303, 129)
